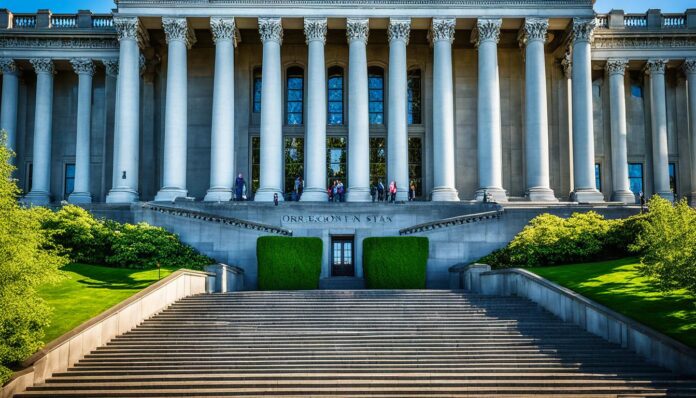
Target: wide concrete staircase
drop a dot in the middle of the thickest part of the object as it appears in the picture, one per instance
(359, 344)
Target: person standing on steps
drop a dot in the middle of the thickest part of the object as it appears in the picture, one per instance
(380, 191)
(373, 191)
(239, 188)
(392, 191)
(412, 191)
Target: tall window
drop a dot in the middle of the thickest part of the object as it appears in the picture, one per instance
(336, 156)
(257, 90)
(375, 85)
(255, 163)
(378, 160)
(69, 184)
(673, 178)
(635, 177)
(598, 176)
(295, 88)
(335, 90)
(294, 161)
(29, 176)
(415, 163)
(414, 96)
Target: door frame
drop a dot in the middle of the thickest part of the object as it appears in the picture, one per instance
(343, 238)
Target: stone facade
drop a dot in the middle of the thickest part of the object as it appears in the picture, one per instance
(501, 139)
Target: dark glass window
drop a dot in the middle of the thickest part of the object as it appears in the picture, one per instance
(294, 162)
(335, 92)
(375, 85)
(415, 164)
(29, 176)
(635, 177)
(257, 90)
(414, 97)
(598, 176)
(69, 179)
(636, 90)
(295, 95)
(378, 160)
(673, 177)
(255, 163)
(336, 155)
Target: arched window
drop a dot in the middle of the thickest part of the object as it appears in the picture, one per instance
(295, 94)
(375, 85)
(414, 96)
(257, 90)
(335, 90)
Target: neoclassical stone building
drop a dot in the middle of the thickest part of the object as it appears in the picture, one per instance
(535, 99)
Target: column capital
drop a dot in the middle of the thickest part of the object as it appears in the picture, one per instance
(357, 29)
(442, 29)
(487, 29)
(315, 29)
(224, 29)
(130, 28)
(83, 66)
(617, 66)
(271, 29)
(533, 29)
(656, 66)
(689, 67)
(8, 65)
(43, 65)
(583, 29)
(399, 29)
(178, 29)
(567, 64)
(111, 66)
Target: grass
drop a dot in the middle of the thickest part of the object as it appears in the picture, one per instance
(88, 290)
(617, 285)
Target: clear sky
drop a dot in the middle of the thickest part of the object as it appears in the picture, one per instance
(71, 6)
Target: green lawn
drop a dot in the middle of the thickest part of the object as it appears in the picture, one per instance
(88, 290)
(617, 285)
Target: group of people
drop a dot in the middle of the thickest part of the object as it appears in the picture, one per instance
(380, 193)
(337, 192)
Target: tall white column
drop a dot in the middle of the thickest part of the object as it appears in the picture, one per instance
(567, 66)
(84, 68)
(585, 189)
(271, 178)
(222, 130)
(621, 191)
(397, 122)
(131, 36)
(656, 69)
(180, 38)
(40, 193)
(10, 94)
(357, 31)
(111, 67)
(490, 150)
(315, 140)
(690, 70)
(536, 123)
(442, 36)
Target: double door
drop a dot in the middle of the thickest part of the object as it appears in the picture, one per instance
(342, 254)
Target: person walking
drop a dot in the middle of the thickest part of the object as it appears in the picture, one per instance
(392, 191)
(380, 191)
(239, 188)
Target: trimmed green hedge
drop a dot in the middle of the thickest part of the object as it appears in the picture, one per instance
(395, 262)
(287, 263)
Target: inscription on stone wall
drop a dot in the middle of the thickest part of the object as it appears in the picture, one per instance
(337, 219)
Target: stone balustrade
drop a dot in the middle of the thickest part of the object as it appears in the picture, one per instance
(653, 19)
(45, 19)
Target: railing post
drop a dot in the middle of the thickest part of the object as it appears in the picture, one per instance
(654, 17)
(43, 19)
(5, 19)
(616, 19)
(690, 18)
(84, 19)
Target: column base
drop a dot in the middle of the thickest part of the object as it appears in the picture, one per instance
(497, 194)
(266, 195)
(692, 199)
(444, 194)
(359, 195)
(170, 194)
(626, 197)
(122, 195)
(80, 198)
(541, 195)
(587, 195)
(401, 195)
(314, 195)
(666, 195)
(218, 195)
(37, 198)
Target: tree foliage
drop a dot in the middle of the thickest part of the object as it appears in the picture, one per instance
(27, 260)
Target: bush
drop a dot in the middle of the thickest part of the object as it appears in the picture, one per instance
(395, 262)
(668, 242)
(286, 263)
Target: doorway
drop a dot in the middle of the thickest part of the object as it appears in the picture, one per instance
(342, 254)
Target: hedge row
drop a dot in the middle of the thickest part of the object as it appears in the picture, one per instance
(286, 263)
(395, 262)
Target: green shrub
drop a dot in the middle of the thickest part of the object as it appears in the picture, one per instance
(395, 262)
(286, 263)
(81, 236)
(667, 240)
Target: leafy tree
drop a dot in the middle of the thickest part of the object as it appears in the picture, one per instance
(27, 260)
